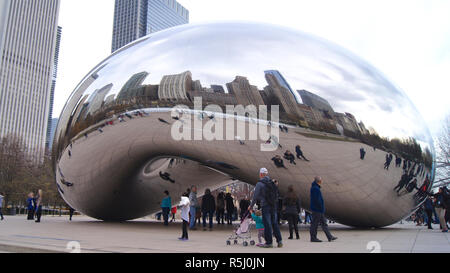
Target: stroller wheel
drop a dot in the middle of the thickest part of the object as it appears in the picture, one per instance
(228, 242)
(235, 242)
(245, 243)
(252, 243)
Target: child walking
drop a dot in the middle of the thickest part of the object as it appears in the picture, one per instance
(184, 204)
(257, 217)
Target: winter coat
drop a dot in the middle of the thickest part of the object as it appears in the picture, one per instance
(317, 203)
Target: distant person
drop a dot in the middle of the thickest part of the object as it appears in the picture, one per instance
(2, 196)
(267, 193)
(404, 180)
(38, 206)
(185, 207)
(362, 153)
(299, 152)
(229, 204)
(307, 217)
(30, 206)
(71, 212)
(220, 214)
(193, 203)
(257, 217)
(208, 208)
(318, 210)
(292, 208)
(243, 206)
(289, 156)
(166, 205)
(174, 212)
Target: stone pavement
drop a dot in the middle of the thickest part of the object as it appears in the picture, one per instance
(148, 236)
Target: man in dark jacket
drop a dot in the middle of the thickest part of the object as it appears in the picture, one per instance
(262, 193)
(318, 210)
(208, 208)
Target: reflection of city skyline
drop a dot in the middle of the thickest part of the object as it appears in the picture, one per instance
(182, 88)
(314, 113)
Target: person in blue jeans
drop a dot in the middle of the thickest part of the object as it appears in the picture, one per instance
(166, 205)
(266, 193)
(193, 203)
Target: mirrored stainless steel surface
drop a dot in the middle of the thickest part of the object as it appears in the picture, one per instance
(114, 152)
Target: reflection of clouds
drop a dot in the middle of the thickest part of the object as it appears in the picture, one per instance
(217, 53)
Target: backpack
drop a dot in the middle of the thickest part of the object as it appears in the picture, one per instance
(270, 193)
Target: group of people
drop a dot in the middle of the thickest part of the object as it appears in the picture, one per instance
(34, 206)
(437, 205)
(264, 209)
(288, 155)
(266, 195)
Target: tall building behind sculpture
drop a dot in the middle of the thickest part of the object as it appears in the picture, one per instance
(279, 87)
(52, 91)
(245, 93)
(134, 19)
(28, 34)
(315, 101)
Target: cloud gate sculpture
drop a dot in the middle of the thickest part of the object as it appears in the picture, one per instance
(208, 104)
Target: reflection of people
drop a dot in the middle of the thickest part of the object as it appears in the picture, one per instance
(243, 207)
(299, 152)
(267, 193)
(289, 156)
(318, 210)
(403, 182)
(362, 153)
(278, 161)
(166, 176)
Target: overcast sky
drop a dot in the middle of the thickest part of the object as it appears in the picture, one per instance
(409, 41)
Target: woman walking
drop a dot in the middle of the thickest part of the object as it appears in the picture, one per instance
(292, 209)
(220, 208)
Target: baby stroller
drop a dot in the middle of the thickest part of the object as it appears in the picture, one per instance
(243, 232)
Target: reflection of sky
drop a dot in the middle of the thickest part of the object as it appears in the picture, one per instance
(217, 53)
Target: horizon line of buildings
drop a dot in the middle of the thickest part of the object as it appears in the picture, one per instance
(182, 89)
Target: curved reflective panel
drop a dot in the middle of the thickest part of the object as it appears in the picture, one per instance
(119, 142)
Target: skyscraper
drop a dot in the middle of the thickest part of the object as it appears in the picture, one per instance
(281, 89)
(134, 19)
(52, 91)
(28, 32)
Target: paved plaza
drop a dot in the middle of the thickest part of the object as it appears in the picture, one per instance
(149, 236)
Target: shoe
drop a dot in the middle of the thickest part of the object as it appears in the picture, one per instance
(267, 246)
(204, 229)
(260, 245)
(298, 237)
(445, 230)
(290, 238)
(280, 245)
(332, 239)
(315, 241)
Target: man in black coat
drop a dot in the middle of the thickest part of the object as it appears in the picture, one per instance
(208, 208)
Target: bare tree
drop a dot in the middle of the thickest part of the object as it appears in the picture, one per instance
(443, 155)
